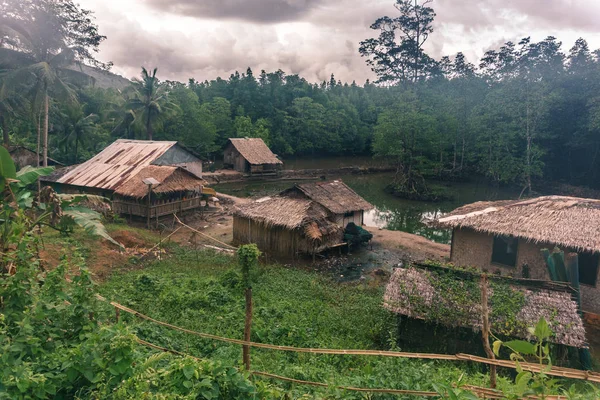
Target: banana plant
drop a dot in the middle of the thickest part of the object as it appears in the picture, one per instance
(21, 211)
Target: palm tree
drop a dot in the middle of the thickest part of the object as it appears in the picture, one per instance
(149, 102)
(78, 128)
(38, 55)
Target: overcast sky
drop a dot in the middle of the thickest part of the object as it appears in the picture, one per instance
(314, 38)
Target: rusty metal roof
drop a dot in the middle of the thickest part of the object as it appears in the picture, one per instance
(116, 163)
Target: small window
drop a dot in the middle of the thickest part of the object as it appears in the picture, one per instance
(349, 214)
(588, 268)
(505, 250)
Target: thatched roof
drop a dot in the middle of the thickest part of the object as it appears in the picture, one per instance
(255, 151)
(335, 196)
(565, 221)
(171, 179)
(290, 213)
(416, 293)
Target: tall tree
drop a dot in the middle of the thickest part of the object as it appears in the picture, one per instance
(397, 54)
(44, 39)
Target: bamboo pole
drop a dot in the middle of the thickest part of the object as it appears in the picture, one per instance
(247, 329)
(485, 331)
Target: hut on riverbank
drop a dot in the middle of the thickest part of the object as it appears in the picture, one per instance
(284, 226)
(506, 237)
(251, 156)
(343, 204)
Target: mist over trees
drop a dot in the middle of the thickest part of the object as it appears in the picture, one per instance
(528, 111)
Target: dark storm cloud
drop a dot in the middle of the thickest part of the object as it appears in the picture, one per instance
(259, 11)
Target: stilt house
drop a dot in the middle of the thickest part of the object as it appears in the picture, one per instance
(506, 237)
(343, 204)
(251, 156)
(284, 226)
(128, 170)
(308, 218)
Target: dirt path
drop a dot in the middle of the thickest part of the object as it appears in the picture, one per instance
(409, 246)
(387, 248)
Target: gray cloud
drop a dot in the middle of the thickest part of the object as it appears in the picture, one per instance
(321, 36)
(260, 11)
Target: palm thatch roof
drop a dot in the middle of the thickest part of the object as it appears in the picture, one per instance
(566, 221)
(335, 196)
(255, 151)
(171, 179)
(418, 293)
(291, 214)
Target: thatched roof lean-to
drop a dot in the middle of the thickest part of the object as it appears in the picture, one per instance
(418, 293)
(255, 151)
(564, 221)
(291, 214)
(335, 196)
(171, 179)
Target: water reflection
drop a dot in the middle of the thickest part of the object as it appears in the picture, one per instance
(408, 220)
(390, 212)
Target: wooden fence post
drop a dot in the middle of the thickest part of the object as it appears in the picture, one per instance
(485, 330)
(247, 329)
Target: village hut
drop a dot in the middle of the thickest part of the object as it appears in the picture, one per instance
(174, 190)
(506, 237)
(127, 169)
(251, 156)
(122, 160)
(23, 156)
(284, 226)
(452, 298)
(343, 204)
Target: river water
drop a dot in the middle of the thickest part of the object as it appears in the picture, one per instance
(390, 212)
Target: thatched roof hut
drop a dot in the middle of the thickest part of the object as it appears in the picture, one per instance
(335, 196)
(285, 226)
(454, 301)
(565, 221)
(251, 155)
(170, 180)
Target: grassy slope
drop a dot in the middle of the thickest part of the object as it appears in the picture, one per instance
(201, 291)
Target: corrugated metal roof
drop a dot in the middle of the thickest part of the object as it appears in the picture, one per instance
(116, 163)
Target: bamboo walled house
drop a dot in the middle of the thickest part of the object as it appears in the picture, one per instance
(251, 156)
(343, 204)
(285, 226)
(507, 237)
(129, 171)
(308, 218)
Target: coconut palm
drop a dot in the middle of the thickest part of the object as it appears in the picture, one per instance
(149, 102)
(44, 40)
(77, 129)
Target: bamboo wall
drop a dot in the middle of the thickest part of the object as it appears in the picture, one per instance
(139, 208)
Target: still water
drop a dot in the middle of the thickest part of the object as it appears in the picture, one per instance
(390, 212)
